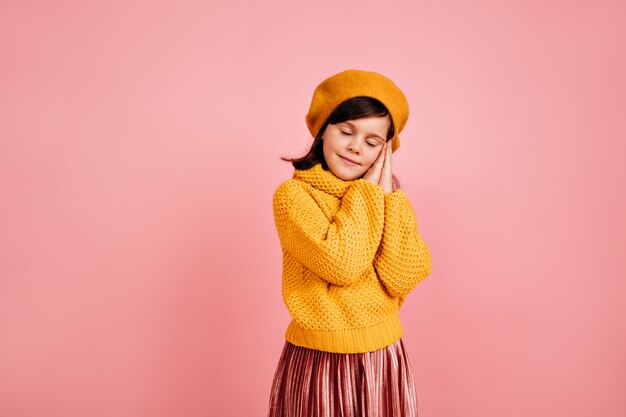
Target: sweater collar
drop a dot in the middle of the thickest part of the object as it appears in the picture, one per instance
(323, 180)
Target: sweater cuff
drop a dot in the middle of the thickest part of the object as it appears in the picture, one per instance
(395, 195)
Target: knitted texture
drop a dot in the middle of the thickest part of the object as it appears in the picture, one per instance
(351, 255)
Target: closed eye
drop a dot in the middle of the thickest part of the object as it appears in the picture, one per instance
(349, 134)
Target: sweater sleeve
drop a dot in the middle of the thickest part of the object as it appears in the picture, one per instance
(403, 258)
(339, 250)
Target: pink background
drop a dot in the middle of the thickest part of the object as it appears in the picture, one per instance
(139, 264)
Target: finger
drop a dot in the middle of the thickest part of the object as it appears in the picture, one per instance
(388, 159)
(375, 172)
(380, 161)
(386, 176)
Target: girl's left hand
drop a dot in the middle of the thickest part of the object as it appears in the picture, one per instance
(386, 177)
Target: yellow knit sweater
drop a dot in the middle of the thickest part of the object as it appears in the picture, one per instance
(351, 254)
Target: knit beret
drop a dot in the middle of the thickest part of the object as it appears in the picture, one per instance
(352, 83)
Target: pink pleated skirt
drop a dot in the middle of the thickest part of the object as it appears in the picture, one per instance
(313, 383)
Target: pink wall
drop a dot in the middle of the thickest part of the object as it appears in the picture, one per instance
(139, 264)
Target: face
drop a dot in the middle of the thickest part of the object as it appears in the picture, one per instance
(357, 140)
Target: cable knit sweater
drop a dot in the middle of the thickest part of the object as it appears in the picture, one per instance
(351, 254)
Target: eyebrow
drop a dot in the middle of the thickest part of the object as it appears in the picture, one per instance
(374, 135)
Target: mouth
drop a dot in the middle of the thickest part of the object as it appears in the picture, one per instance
(348, 160)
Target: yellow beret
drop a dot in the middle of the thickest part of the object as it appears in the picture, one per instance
(352, 83)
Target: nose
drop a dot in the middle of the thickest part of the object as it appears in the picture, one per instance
(353, 145)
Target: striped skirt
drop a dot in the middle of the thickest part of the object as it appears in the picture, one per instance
(313, 383)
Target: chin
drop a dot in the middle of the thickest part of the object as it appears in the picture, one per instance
(346, 177)
(342, 170)
(345, 173)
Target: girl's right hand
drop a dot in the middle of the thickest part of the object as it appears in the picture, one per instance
(373, 174)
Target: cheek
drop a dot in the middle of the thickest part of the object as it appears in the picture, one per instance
(326, 144)
(330, 142)
(372, 155)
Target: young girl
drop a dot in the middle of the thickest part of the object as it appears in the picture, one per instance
(351, 254)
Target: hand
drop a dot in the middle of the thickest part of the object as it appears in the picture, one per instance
(386, 176)
(374, 173)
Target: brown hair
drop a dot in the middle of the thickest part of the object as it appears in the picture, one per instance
(352, 108)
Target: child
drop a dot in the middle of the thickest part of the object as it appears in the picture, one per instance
(351, 254)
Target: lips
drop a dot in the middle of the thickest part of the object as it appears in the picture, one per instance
(348, 160)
